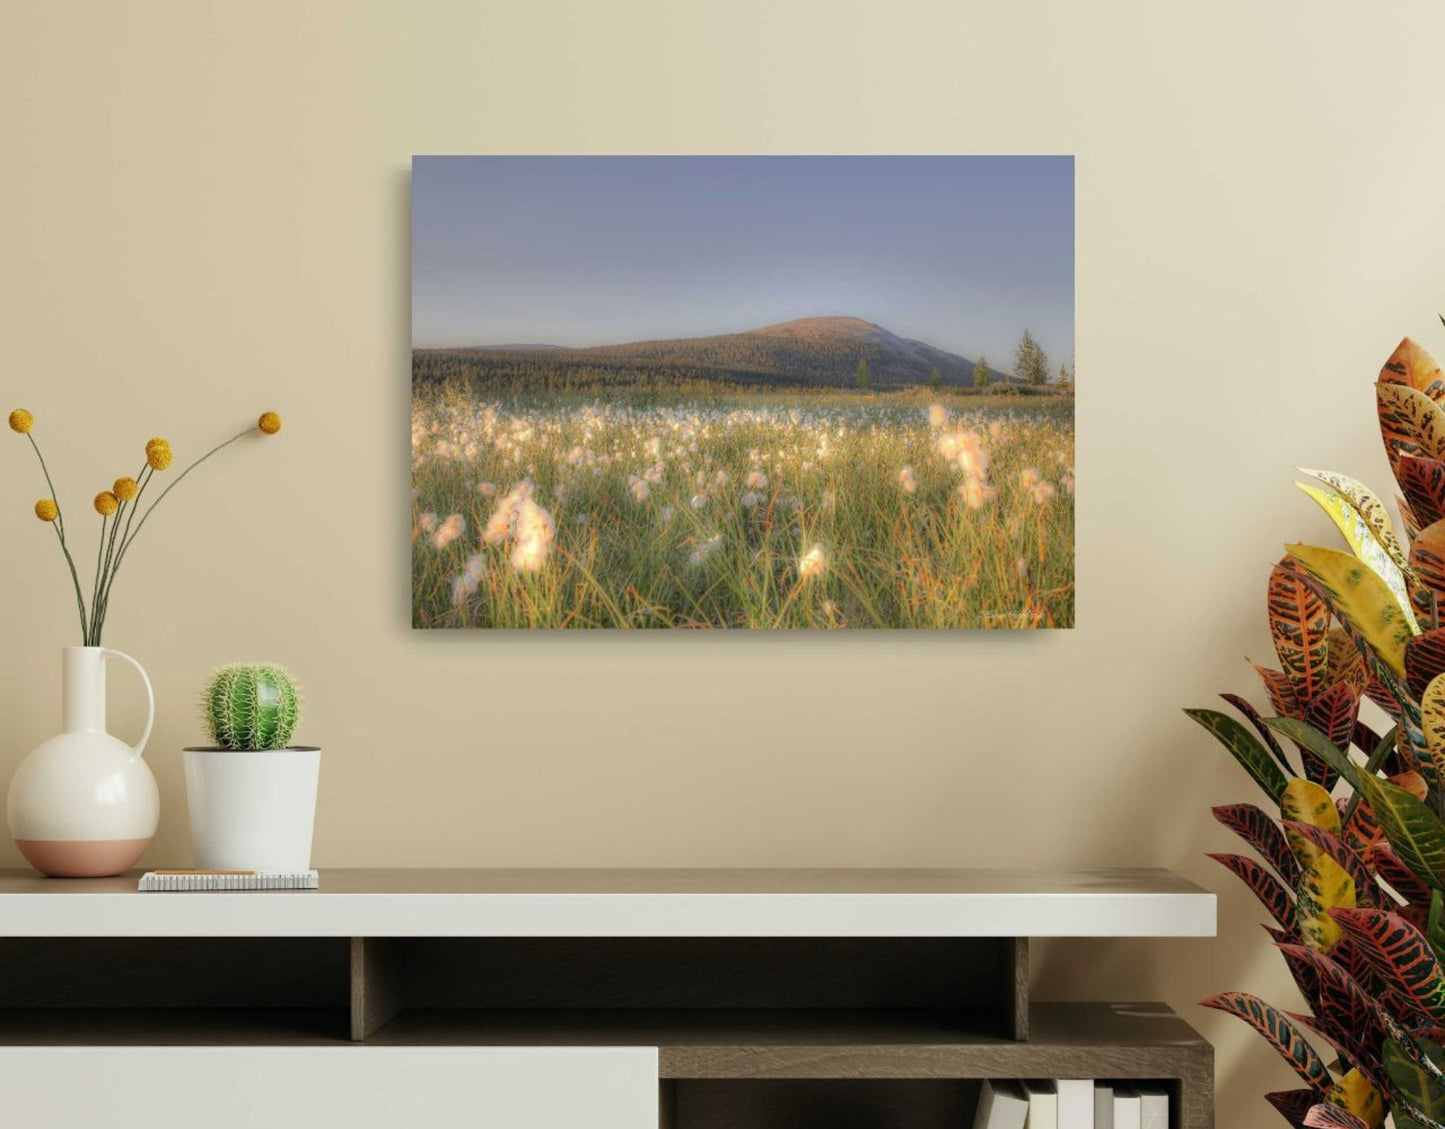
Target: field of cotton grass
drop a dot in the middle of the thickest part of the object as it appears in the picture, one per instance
(827, 511)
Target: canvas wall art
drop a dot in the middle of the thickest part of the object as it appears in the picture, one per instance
(743, 392)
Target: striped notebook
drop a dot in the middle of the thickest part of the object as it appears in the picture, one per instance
(169, 881)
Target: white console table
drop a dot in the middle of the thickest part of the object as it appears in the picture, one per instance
(548, 999)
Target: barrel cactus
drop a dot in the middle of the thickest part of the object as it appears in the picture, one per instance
(251, 706)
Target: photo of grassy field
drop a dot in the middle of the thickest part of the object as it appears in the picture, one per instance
(818, 472)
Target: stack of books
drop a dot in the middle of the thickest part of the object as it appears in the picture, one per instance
(1071, 1103)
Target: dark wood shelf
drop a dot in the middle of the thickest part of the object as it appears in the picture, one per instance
(1066, 1040)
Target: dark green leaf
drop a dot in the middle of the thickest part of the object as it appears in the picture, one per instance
(1253, 757)
(1414, 831)
(1308, 737)
(1423, 1093)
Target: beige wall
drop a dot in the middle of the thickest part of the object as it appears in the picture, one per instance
(204, 212)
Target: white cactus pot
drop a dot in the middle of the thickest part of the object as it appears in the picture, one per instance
(252, 810)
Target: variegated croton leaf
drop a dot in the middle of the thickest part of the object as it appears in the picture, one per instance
(1353, 1021)
(1427, 557)
(1281, 1034)
(1266, 734)
(1424, 660)
(1413, 526)
(1363, 829)
(1257, 829)
(1345, 663)
(1399, 954)
(1372, 511)
(1293, 1105)
(1356, 1094)
(1364, 606)
(1264, 885)
(1372, 1077)
(1332, 1117)
(1304, 975)
(1333, 712)
(1413, 829)
(1419, 1093)
(1411, 424)
(1299, 623)
(1412, 366)
(1423, 482)
(1360, 538)
(1432, 723)
(1323, 887)
(1280, 690)
(1252, 756)
(1346, 856)
(1382, 859)
(1304, 801)
(1384, 696)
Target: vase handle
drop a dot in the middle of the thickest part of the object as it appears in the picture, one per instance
(139, 746)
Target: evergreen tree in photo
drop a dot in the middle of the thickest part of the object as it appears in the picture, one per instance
(865, 377)
(935, 381)
(1064, 375)
(980, 373)
(1031, 363)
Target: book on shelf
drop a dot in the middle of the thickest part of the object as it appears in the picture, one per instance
(1127, 1111)
(1153, 1107)
(1103, 1106)
(1076, 1103)
(1001, 1105)
(1043, 1097)
(186, 881)
(1071, 1103)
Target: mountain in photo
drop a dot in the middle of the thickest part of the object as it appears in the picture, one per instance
(819, 352)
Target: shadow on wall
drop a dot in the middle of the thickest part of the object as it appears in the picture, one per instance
(1181, 972)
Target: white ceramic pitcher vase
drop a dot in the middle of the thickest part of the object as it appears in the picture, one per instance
(84, 804)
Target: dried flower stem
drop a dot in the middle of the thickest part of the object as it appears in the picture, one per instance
(176, 482)
(90, 639)
(128, 538)
(144, 478)
(60, 533)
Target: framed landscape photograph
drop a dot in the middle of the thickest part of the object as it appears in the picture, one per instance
(743, 392)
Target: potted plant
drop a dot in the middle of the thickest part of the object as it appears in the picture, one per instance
(84, 803)
(252, 795)
(1351, 836)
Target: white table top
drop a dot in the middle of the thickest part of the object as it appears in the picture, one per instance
(628, 903)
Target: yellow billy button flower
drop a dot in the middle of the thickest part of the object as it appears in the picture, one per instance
(158, 454)
(125, 489)
(106, 503)
(46, 509)
(269, 422)
(22, 421)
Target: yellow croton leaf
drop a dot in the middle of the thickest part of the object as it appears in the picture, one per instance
(1324, 885)
(1353, 1092)
(1371, 510)
(1304, 801)
(1363, 543)
(1432, 721)
(1362, 600)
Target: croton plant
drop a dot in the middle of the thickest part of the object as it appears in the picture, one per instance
(1355, 883)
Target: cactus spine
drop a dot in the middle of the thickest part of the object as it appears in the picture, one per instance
(251, 706)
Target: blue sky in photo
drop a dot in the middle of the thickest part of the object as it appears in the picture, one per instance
(961, 252)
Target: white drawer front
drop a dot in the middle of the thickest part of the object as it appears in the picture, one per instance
(309, 1087)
